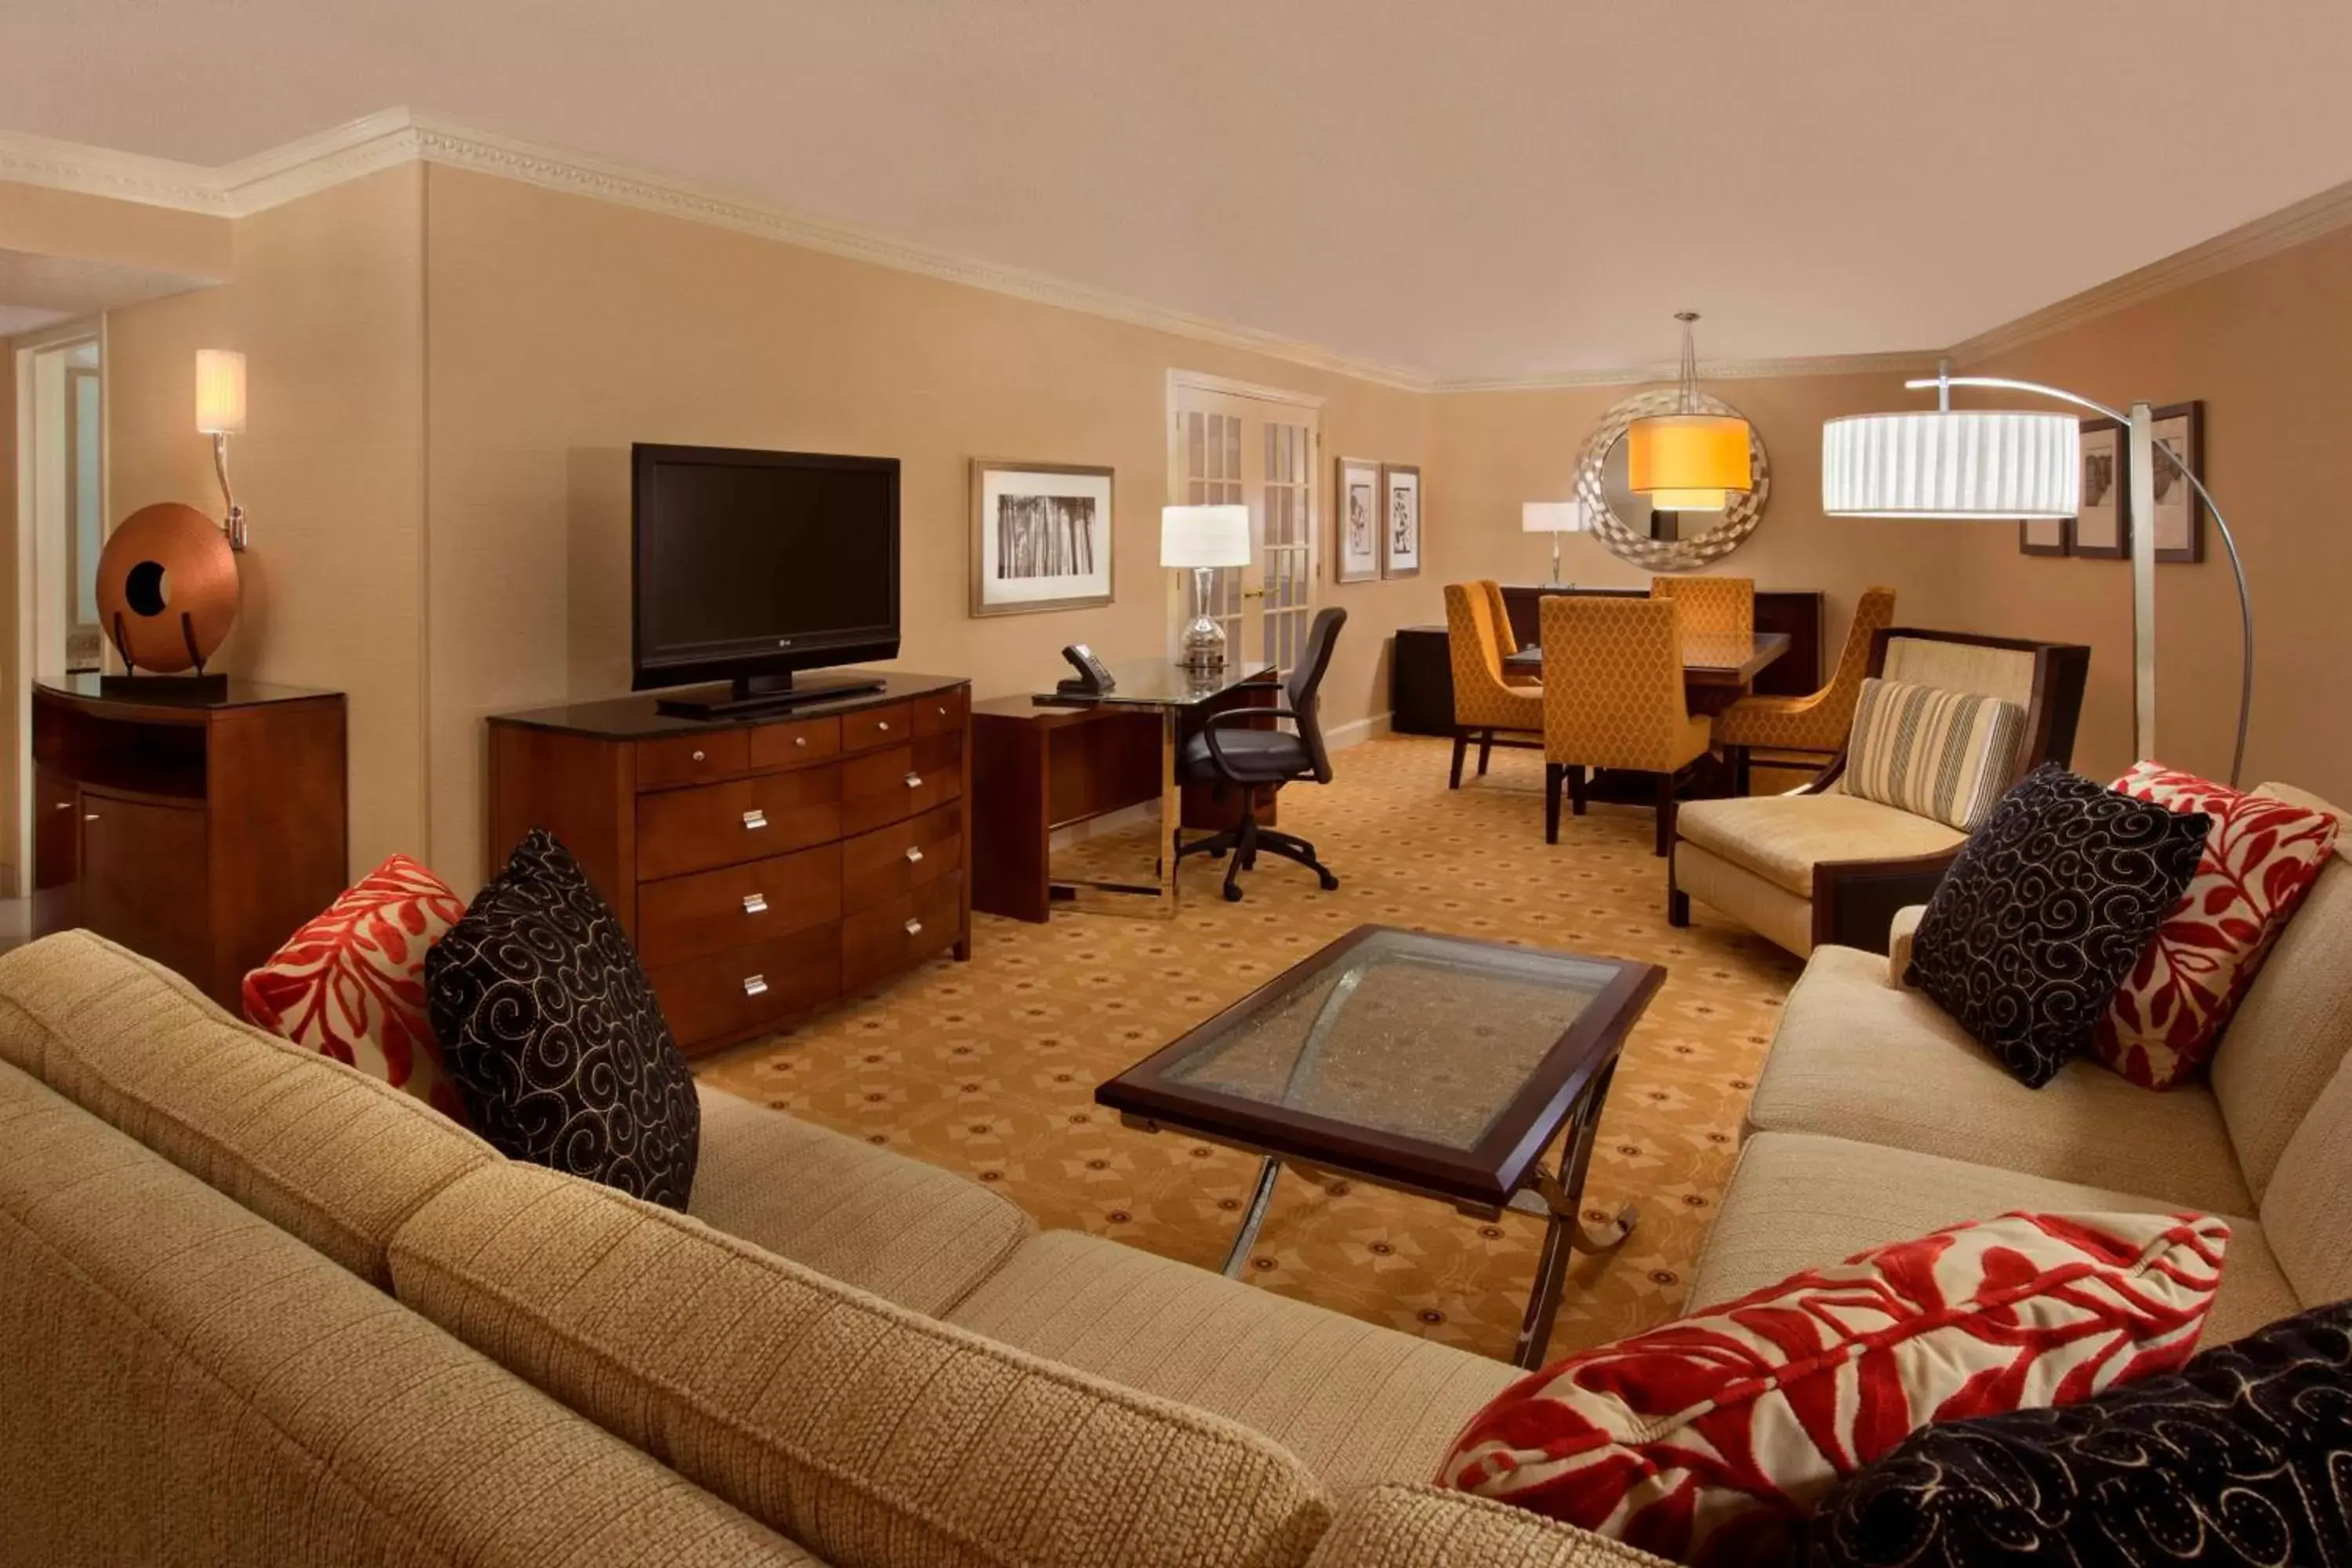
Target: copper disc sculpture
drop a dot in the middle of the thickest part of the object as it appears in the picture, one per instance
(167, 588)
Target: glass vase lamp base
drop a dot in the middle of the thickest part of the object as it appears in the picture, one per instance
(1203, 644)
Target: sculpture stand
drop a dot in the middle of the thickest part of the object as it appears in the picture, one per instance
(133, 684)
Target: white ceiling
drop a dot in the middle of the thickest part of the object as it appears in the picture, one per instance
(1468, 189)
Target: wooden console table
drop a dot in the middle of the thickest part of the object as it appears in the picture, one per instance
(764, 868)
(199, 827)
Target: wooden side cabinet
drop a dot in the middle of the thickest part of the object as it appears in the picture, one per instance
(197, 825)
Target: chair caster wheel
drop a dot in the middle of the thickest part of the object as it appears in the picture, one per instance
(1233, 894)
(1330, 883)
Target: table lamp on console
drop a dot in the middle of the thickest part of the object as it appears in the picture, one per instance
(1204, 538)
(1555, 518)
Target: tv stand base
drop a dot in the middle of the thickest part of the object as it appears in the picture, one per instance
(746, 701)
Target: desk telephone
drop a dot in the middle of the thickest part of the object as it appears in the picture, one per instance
(1093, 677)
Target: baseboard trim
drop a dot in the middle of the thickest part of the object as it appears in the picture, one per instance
(1339, 737)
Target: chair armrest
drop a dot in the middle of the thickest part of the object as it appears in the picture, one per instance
(1899, 937)
(1855, 901)
(1210, 726)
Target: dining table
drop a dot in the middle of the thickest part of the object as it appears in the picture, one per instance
(1709, 658)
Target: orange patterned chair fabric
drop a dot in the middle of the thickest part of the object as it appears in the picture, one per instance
(1613, 691)
(1482, 699)
(1712, 606)
(1819, 722)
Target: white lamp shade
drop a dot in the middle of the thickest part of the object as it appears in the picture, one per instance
(220, 391)
(1553, 517)
(1204, 536)
(1957, 463)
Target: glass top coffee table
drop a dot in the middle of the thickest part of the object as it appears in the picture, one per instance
(1436, 1065)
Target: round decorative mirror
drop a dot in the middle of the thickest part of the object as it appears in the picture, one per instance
(1633, 529)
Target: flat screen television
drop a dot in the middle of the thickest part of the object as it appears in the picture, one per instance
(750, 567)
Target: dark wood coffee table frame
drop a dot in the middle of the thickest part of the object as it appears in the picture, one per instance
(1506, 1168)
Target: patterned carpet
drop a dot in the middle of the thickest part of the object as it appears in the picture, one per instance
(990, 1068)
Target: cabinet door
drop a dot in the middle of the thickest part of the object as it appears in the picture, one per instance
(57, 852)
(143, 880)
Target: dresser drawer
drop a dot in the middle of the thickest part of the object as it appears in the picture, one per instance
(737, 993)
(897, 859)
(789, 745)
(939, 713)
(902, 931)
(870, 727)
(715, 825)
(712, 912)
(691, 759)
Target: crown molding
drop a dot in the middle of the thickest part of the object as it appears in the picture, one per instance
(2265, 236)
(1904, 363)
(102, 171)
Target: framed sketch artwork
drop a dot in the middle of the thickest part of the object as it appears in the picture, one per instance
(1041, 537)
(1356, 518)
(2179, 512)
(2046, 535)
(1399, 519)
(2103, 527)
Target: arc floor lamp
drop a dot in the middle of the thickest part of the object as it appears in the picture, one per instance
(1997, 466)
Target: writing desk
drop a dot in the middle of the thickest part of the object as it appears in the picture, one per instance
(1050, 762)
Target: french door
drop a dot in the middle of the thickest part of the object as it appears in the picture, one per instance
(1231, 443)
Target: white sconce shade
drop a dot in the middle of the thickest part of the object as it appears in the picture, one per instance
(1960, 463)
(1204, 536)
(1553, 517)
(220, 391)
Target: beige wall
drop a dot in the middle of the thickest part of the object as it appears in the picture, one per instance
(42, 222)
(327, 304)
(563, 329)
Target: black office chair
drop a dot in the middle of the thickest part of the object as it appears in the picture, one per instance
(1229, 756)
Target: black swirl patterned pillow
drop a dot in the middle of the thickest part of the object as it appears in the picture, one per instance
(554, 1037)
(2242, 1457)
(2047, 908)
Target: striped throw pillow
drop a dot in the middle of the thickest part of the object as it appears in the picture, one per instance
(1933, 753)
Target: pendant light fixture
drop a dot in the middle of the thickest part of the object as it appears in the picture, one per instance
(1687, 460)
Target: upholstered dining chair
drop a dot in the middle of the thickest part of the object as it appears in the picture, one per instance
(1814, 725)
(1507, 642)
(1614, 698)
(1485, 704)
(1712, 606)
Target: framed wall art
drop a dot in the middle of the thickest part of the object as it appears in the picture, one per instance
(2179, 510)
(2046, 535)
(1041, 537)
(1356, 521)
(2102, 529)
(1399, 519)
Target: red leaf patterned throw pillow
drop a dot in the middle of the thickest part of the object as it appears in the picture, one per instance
(2261, 857)
(1705, 1439)
(351, 982)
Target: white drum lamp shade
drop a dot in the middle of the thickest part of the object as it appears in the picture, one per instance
(1204, 536)
(220, 391)
(1959, 463)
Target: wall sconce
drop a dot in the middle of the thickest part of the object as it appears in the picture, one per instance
(220, 414)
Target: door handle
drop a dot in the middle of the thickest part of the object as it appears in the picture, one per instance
(914, 781)
(755, 986)
(914, 927)
(755, 903)
(1252, 592)
(913, 854)
(61, 805)
(754, 818)
(90, 817)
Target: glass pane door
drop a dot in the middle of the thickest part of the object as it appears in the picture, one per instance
(1262, 453)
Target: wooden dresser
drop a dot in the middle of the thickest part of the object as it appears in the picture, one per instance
(764, 868)
(199, 827)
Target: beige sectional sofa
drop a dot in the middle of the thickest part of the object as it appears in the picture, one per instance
(257, 1308)
(1878, 1118)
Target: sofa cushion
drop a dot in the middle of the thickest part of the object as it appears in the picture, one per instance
(1798, 1200)
(872, 1435)
(351, 981)
(2241, 1456)
(2260, 857)
(1934, 753)
(2294, 1024)
(1767, 907)
(2047, 908)
(1782, 837)
(1856, 1058)
(908, 1231)
(1710, 1438)
(2307, 1208)
(1396, 1526)
(320, 1149)
(182, 1383)
(1355, 1401)
(559, 1046)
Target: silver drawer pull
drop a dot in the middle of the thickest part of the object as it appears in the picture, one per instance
(697, 756)
(800, 740)
(914, 781)
(754, 818)
(914, 927)
(90, 817)
(755, 903)
(943, 712)
(883, 725)
(64, 805)
(914, 856)
(755, 986)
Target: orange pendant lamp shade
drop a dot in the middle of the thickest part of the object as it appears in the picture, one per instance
(1689, 460)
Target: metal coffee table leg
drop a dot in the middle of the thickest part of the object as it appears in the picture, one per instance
(1254, 1216)
(1559, 1198)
